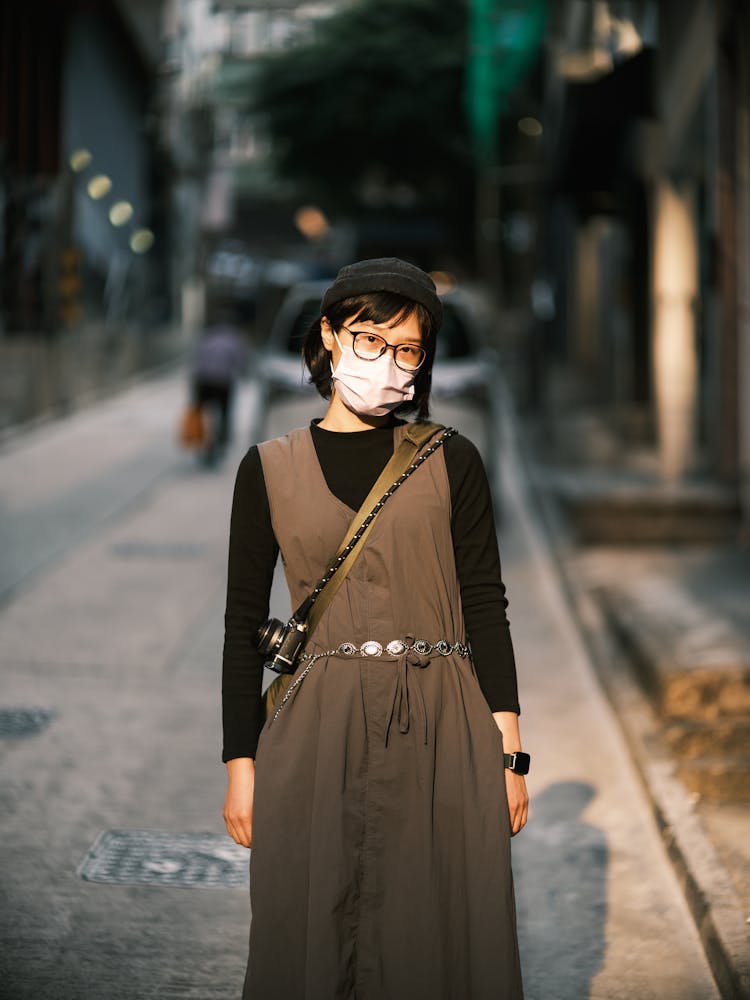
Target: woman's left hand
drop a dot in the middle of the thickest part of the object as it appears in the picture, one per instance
(518, 800)
(515, 784)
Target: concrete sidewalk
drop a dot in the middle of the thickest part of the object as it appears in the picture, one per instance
(113, 633)
(668, 631)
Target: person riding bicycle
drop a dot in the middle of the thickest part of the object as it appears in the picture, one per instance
(219, 360)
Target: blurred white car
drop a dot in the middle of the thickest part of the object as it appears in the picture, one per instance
(465, 366)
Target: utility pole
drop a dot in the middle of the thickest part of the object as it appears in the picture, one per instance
(504, 36)
(482, 100)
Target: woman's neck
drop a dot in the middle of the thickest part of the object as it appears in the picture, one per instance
(340, 418)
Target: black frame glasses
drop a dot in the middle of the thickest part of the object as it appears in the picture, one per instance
(406, 351)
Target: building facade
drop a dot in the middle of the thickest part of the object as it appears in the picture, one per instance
(648, 238)
(79, 176)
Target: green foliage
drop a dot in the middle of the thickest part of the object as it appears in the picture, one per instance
(505, 40)
(376, 96)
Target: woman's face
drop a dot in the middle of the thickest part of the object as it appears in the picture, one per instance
(405, 331)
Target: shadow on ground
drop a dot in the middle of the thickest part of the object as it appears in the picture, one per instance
(560, 870)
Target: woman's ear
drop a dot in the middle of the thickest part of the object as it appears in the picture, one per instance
(326, 333)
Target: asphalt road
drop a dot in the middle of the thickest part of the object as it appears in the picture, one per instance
(114, 548)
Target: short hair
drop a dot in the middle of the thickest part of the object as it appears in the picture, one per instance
(382, 308)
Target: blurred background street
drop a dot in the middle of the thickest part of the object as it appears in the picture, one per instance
(179, 181)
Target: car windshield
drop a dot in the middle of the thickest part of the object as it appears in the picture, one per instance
(453, 340)
(306, 315)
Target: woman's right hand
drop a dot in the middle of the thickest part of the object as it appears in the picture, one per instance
(238, 804)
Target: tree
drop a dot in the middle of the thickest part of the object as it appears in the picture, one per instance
(371, 109)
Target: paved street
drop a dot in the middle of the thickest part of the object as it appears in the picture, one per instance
(112, 579)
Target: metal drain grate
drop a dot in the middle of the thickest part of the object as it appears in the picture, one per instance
(148, 857)
(17, 723)
(158, 550)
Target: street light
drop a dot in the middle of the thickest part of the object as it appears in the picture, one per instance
(99, 186)
(530, 126)
(141, 241)
(120, 213)
(311, 222)
(79, 159)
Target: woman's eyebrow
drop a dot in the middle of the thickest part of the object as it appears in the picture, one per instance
(382, 330)
(377, 327)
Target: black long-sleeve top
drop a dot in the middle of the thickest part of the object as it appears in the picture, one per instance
(351, 462)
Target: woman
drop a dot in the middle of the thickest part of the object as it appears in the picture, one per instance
(374, 798)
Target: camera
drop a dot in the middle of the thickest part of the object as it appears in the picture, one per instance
(282, 643)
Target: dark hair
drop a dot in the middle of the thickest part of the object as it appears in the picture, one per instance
(377, 307)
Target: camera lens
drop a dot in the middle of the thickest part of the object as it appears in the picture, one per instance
(269, 635)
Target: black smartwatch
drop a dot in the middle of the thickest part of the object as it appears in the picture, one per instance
(518, 762)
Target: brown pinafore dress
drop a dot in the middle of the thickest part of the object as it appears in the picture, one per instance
(380, 865)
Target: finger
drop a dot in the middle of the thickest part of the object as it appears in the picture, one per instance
(513, 819)
(522, 818)
(246, 831)
(241, 838)
(231, 831)
(239, 831)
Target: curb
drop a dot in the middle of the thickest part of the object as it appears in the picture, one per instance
(705, 882)
(707, 887)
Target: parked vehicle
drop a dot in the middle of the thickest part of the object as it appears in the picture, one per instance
(280, 360)
(465, 365)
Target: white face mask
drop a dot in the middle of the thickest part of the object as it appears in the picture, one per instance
(371, 388)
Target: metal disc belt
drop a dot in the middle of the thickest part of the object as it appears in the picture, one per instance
(396, 647)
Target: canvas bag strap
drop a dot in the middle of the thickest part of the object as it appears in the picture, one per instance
(399, 467)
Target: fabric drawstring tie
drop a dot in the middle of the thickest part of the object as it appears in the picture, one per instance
(400, 696)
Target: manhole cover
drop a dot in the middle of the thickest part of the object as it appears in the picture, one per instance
(16, 723)
(158, 550)
(147, 857)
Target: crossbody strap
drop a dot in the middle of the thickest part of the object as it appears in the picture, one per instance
(400, 466)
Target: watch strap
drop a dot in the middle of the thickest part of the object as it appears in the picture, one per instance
(517, 762)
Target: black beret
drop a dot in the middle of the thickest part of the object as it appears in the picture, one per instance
(385, 274)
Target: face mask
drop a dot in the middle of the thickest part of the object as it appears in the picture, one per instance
(371, 388)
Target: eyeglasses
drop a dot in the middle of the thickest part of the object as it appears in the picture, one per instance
(370, 347)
